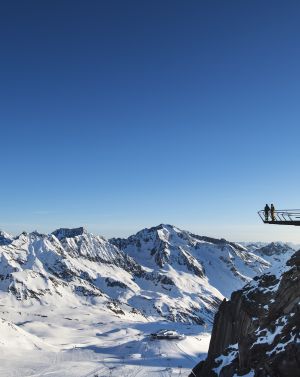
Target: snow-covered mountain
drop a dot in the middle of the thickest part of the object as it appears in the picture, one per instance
(65, 264)
(275, 253)
(222, 264)
(159, 272)
(5, 238)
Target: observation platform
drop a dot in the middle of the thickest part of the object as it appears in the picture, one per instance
(282, 217)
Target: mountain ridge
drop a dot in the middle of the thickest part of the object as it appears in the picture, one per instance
(161, 271)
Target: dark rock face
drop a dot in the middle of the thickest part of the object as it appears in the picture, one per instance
(68, 233)
(274, 248)
(258, 329)
(115, 283)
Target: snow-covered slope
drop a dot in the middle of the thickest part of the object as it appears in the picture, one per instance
(15, 338)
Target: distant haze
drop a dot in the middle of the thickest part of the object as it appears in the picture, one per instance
(236, 233)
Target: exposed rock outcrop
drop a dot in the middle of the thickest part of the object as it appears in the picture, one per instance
(256, 332)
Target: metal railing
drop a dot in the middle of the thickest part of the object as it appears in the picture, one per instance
(281, 216)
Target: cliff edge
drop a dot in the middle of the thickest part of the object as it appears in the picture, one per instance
(256, 332)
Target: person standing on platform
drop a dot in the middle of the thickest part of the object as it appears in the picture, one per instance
(273, 212)
(267, 211)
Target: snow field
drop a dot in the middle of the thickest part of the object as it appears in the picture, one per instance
(86, 341)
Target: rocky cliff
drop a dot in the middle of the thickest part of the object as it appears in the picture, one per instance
(256, 332)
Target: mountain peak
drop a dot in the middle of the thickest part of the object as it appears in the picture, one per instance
(161, 230)
(69, 232)
(168, 227)
(5, 238)
(4, 234)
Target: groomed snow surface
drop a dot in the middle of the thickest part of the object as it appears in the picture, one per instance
(77, 339)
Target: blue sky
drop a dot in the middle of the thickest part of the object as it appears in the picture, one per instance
(119, 115)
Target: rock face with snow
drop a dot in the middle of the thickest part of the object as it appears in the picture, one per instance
(5, 238)
(78, 243)
(256, 333)
(225, 265)
(42, 267)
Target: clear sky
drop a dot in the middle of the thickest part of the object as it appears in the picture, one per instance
(119, 115)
